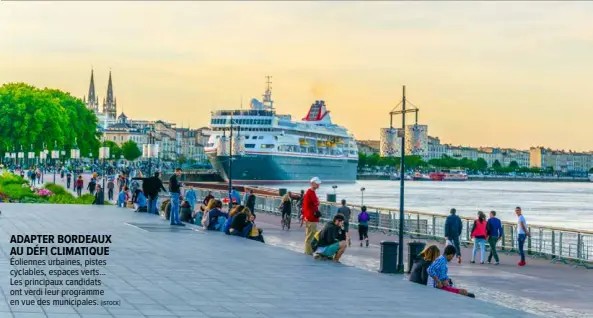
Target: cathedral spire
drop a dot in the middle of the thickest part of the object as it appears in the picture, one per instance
(109, 105)
(92, 102)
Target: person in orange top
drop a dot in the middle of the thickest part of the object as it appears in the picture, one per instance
(311, 214)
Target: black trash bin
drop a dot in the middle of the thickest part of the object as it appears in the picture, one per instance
(282, 191)
(389, 257)
(414, 248)
(331, 197)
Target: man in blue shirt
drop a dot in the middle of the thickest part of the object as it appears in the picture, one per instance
(495, 233)
(522, 234)
(453, 228)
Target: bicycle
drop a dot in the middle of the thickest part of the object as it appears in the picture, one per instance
(286, 219)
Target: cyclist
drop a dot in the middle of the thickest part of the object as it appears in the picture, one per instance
(286, 208)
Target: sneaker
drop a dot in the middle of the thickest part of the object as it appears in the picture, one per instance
(521, 263)
(472, 262)
(367, 243)
(360, 244)
(349, 243)
(316, 256)
(471, 295)
(497, 263)
(482, 263)
(458, 259)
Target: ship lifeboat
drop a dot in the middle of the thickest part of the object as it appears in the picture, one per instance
(418, 176)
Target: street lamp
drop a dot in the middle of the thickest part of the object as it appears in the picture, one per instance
(362, 195)
(75, 154)
(150, 150)
(334, 187)
(21, 156)
(104, 154)
(55, 154)
(31, 156)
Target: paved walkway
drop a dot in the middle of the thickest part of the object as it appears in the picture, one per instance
(159, 271)
(552, 290)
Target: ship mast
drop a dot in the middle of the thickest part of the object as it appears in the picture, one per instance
(268, 102)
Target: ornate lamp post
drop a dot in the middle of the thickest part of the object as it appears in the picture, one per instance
(21, 157)
(75, 154)
(55, 154)
(104, 154)
(362, 195)
(31, 156)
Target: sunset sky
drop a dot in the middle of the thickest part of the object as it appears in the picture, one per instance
(510, 74)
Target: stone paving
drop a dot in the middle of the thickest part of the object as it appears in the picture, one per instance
(159, 271)
(551, 290)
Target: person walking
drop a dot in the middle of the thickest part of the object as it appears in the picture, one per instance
(453, 228)
(191, 198)
(311, 214)
(344, 210)
(175, 191)
(522, 234)
(250, 202)
(110, 189)
(479, 233)
(79, 184)
(92, 186)
(99, 196)
(495, 233)
(68, 179)
(363, 225)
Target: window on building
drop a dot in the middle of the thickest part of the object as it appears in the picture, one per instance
(267, 146)
(249, 145)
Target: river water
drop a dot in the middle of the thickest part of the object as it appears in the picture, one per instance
(560, 204)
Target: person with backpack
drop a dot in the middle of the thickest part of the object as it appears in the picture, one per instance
(363, 225)
(92, 186)
(479, 233)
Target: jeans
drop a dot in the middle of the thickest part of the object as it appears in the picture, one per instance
(152, 202)
(175, 208)
(68, 183)
(455, 241)
(110, 194)
(522, 238)
(492, 240)
(482, 244)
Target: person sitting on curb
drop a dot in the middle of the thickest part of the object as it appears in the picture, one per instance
(213, 219)
(122, 198)
(251, 232)
(227, 225)
(239, 221)
(419, 273)
(141, 202)
(438, 277)
(329, 245)
(185, 215)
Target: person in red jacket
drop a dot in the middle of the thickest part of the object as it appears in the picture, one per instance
(480, 234)
(311, 214)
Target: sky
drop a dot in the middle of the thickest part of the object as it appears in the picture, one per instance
(506, 74)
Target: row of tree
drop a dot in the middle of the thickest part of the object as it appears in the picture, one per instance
(446, 162)
(36, 118)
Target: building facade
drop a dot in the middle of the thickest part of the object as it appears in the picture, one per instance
(561, 161)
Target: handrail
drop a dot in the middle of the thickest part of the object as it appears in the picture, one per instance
(557, 243)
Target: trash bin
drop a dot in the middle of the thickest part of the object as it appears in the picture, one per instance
(282, 191)
(414, 248)
(388, 257)
(331, 197)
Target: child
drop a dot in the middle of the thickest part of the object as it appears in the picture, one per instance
(363, 225)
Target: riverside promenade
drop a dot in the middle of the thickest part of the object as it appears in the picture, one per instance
(156, 270)
(542, 288)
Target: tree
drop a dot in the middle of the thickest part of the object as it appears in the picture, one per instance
(591, 170)
(181, 159)
(514, 165)
(481, 164)
(130, 150)
(32, 116)
(496, 165)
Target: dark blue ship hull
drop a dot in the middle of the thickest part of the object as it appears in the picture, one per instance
(270, 169)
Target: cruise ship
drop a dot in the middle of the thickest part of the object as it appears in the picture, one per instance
(271, 148)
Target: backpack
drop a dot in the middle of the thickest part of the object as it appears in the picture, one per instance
(363, 217)
(315, 241)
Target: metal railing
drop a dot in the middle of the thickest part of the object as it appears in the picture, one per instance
(553, 243)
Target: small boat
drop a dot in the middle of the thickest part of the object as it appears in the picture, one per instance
(449, 175)
(419, 176)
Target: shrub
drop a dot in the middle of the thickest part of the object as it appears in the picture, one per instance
(8, 178)
(16, 191)
(33, 200)
(67, 198)
(56, 189)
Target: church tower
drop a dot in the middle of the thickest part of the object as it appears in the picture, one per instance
(110, 104)
(92, 103)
